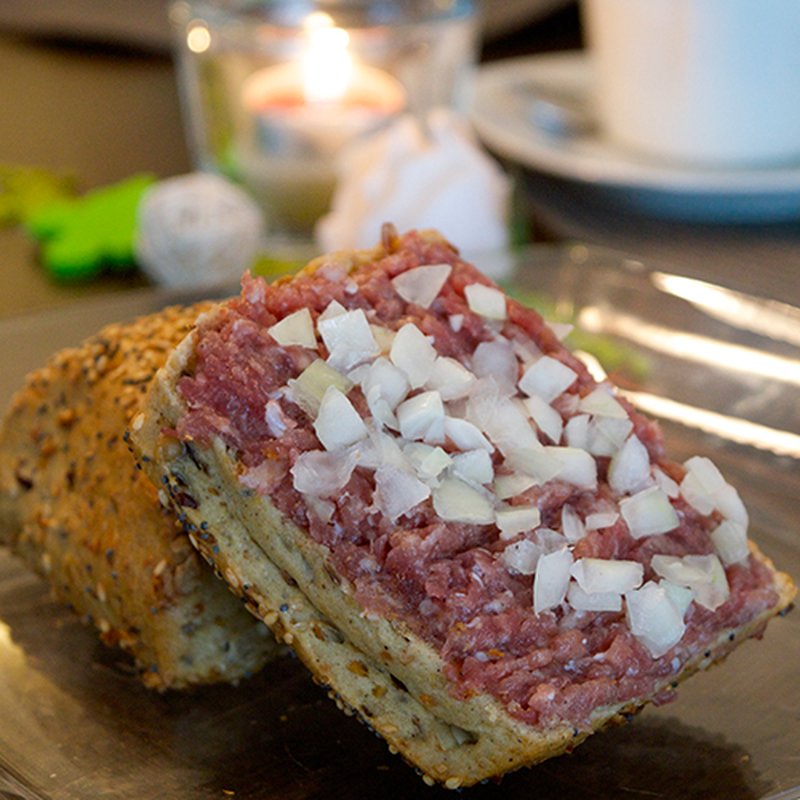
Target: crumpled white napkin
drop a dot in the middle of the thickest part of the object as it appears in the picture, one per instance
(435, 176)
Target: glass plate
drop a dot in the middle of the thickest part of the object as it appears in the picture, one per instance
(76, 724)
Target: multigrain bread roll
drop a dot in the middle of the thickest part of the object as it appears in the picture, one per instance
(482, 552)
(76, 508)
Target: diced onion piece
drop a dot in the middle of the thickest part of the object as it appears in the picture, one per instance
(706, 472)
(309, 387)
(576, 466)
(499, 361)
(380, 410)
(629, 469)
(576, 431)
(465, 436)
(561, 329)
(516, 519)
(486, 301)
(333, 309)
(428, 462)
(522, 556)
(322, 474)
(670, 488)
(338, 424)
(571, 524)
(389, 380)
(474, 466)
(648, 512)
(601, 403)
(295, 329)
(607, 434)
(730, 541)
(607, 575)
(653, 618)
(597, 601)
(541, 465)
(501, 419)
(456, 501)
(414, 354)
(703, 574)
(600, 520)
(547, 419)
(730, 505)
(507, 486)
(450, 378)
(680, 595)
(421, 416)
(421, 285)
(547, 378)
(695, 494)
(549, 539)
(552, 579)
(455, 321)
(322, 508)
(398, 491)
(348, 338)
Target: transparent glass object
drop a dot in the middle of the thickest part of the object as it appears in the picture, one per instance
(358, 64)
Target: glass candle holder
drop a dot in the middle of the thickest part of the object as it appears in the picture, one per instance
(273, 90)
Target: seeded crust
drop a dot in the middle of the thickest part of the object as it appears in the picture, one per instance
(373, 667)
(76, 508)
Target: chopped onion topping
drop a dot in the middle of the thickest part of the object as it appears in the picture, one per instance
(383, 336)
(422, 417)
(333, 309)
(338, 424)
(516, 519)
(576, 431)
(730, 505)
(348, 338)
(670, 488)
(389, 381)
(551, 580)
(486, 301)
(596, 601)
(730, 542)
(428, 462)
(295, 329)
(321, 473)
(575, 466)
(571, 524)
(499, 361)
(547, 378)
(607, 434)
(398, 491)
(601, 403)
(704, 575)
(522, 556)
(506, 486)
(629, 469)
(547, 419)
(456, 501)
(455, 321)
(474, 466)
(465, 436)
(537, 462)
(413, 353)
(654, 618)
(607, 575)
(648, 512)
(500, 418)
(450, 378)
(600, 520)
(309, 387)
(421, 285)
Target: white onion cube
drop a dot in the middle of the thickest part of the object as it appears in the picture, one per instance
(703, 574)
(414, 354)
(522, 557)
(450, 378)
(338, 424)
(486, 301)
(499, 361)
(295, 329)
(466, 436)
(397, 492)
(421, 416)
(607, 575)
(428, 462)
(600, 520)
(348, 338)
(576, 432)
(322, 474)
(730, 505)
(648, 513)
(309, 387)
(474, 466)
(571, 524)
(547, 419)
(597, 601)
(421, 285)
(601, 403)
(548, 378)
(607, 434)
(507, 486)
(730, 541)
(629, 468)
(669, 487)
(551, 580)
(501, 419)
(456, 501)
(576, 466)
(653, 618)
(516, 519)
(389, 380)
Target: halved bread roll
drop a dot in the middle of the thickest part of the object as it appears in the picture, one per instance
(479, 550)
(76, 508)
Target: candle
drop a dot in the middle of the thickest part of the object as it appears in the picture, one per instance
(303, 113)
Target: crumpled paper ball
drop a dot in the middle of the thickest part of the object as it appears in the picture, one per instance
(415, 176)
(197, 230)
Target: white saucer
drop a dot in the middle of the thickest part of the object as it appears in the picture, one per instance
(503, 112)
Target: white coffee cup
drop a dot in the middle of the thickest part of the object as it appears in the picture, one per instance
(704, 82)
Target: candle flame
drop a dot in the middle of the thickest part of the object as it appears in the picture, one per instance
(326, 63)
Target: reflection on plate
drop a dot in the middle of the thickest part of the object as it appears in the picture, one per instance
(505, 114)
